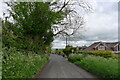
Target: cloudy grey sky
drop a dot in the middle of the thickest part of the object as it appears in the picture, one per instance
(101, 25)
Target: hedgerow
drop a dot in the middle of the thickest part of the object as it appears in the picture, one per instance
(104, 53)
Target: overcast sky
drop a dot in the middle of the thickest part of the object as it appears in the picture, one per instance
(101, 25)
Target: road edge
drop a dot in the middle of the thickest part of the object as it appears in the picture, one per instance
(37, 75)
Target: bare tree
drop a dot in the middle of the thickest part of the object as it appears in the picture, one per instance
(73, 21)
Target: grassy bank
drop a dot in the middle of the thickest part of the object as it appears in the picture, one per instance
(21, 64)
(0, 65)
(100, 66)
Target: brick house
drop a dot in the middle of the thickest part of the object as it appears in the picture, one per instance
(111, 46)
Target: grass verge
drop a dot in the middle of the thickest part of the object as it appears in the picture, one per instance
(100, 66)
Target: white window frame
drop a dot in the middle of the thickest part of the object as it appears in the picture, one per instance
(101, 47)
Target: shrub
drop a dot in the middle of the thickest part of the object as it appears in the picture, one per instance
(75, 58)
(116, 56)
(59, 52)
(67, 51)
(105, 54)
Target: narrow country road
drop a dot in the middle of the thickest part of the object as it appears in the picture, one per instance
(59, 67)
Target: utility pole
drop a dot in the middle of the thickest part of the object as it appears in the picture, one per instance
(66, 41)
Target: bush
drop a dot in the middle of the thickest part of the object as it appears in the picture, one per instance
(67, 51)
(21, 65)
(105, 54)
(102, 67)
(75, 58)
(116, 56)
(59, 52)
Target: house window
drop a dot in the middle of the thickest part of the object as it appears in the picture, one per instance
(118, 47)
(101, 47)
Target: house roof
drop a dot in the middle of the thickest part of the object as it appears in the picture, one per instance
(82, 48)
(91, 47)
(106, 44)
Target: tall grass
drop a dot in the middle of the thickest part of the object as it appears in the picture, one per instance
(21, 64)
(100, 66)
(75, 58)
(0, 65)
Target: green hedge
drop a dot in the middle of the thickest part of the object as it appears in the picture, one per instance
(116, 56)
(100, 66)
(59, 52)
(105, 54)
(75, 58)
(17, 64)
(67, 51)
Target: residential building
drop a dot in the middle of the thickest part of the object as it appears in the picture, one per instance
(111, 46)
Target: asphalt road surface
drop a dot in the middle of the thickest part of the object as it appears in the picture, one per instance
(59, 67)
